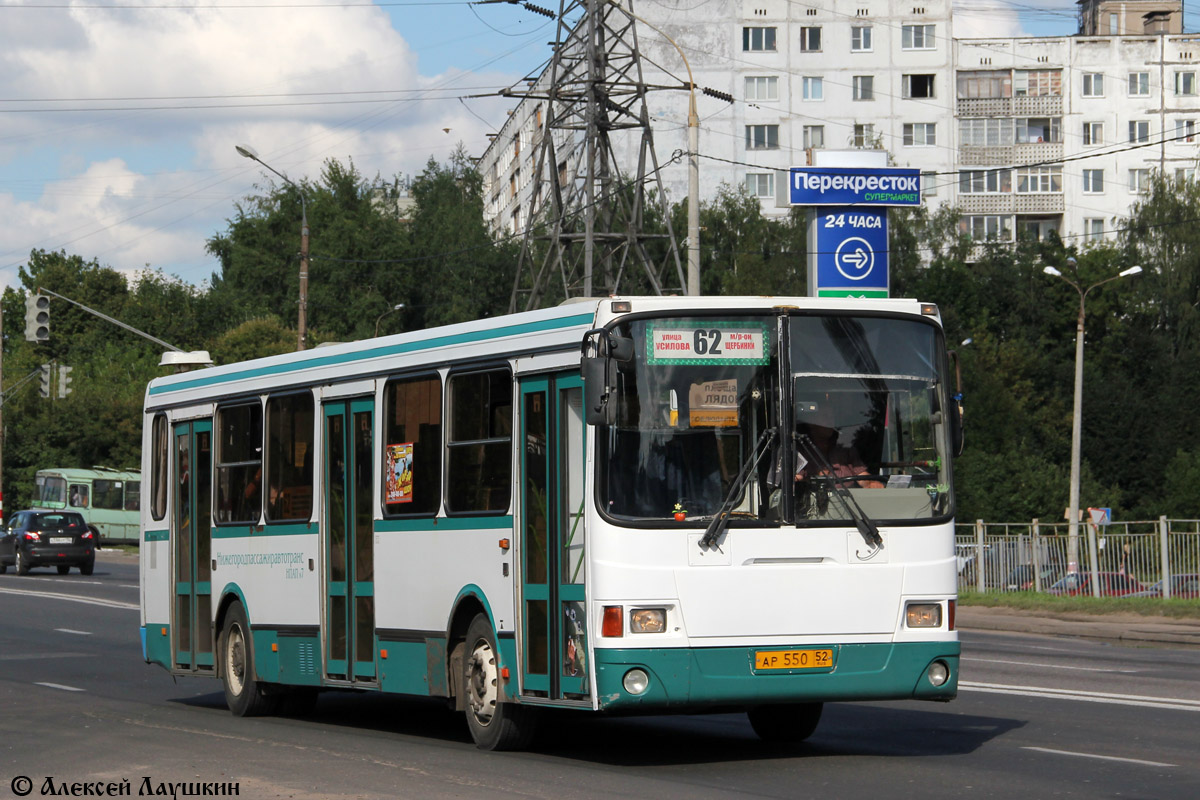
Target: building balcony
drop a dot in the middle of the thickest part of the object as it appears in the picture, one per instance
(1009, 155)
(1051, 106)
(1009, 203)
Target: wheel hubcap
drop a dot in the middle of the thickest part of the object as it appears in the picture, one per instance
(482, 683)
(235, 660)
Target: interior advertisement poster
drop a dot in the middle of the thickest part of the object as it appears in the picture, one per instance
(399, 475)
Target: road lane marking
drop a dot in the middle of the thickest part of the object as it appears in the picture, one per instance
(93, 601)
(1051, 666)
(1174, 703)
(58, 686)
(1102, 758)
(77, 633)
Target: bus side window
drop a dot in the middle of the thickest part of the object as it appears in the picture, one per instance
(479, 448)
(78, 495)
(412, 446)
(160, 442)
(289, 457)
(239, 463)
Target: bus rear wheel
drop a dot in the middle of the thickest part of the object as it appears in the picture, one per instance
(785, 723)
(244, 695)
(494, 723)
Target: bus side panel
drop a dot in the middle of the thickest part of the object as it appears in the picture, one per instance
(421, 570)
(154, 568)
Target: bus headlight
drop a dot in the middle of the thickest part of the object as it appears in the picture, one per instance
(636, 681)
(923, 615)
(647, 620)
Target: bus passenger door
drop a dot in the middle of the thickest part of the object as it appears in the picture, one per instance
(347, 531)
(554, 621)
(192, 642)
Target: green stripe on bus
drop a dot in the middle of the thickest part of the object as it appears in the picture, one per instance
(444, 524)
(250, 531)
(376, 352)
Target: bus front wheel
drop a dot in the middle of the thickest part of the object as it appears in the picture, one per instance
(494, 724)
(244, 695)
(785, 723)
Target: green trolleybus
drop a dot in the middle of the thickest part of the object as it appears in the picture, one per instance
(626, 505)
(109, 499)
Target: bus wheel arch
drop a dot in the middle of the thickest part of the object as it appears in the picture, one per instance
(469, 607)
(494, 722)
(245, 695)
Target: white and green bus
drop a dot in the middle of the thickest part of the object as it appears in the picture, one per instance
(626, 505)
(109, 499)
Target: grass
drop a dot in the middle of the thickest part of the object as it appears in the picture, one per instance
(1051, 604)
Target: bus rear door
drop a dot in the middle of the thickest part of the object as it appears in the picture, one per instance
(192, 644)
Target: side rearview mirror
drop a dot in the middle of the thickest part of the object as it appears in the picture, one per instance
(601, 350)
(956, 413)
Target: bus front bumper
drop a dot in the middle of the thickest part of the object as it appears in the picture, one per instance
(679, 678)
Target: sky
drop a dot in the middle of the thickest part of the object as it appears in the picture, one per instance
(119, 118)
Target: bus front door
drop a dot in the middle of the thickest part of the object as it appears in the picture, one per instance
(554, 661)
(192, 642)
(347, 538)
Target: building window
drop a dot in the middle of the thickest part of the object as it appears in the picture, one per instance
(860, 39)
(758, 40)
(814, 136)
(762, 137)
(1093, 181)
(864, 87)
(762, 88)
(1139, 130)
(984, 84)
(1139, 180)
(1185, 83)
(987, 227)
(1093, 133)
(1038, 129)
(929, 184)
(1037, 83)
(864, 135)
(1139, 84)
(479, 446)
(987, 132)
(1039, 180)
(1093, 228)
(920, 134)
(916, 37)
(918, 86)
(1185, 130)
(1185, 174)
(979, 181)
(813, 87)
(761, 184)
(1114, 24)
(1093, 84)
(810, 39)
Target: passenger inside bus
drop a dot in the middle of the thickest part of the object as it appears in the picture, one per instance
(79, 495)
(816, 422)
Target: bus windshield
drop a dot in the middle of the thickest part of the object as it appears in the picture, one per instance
(856, 405)
(49, 489)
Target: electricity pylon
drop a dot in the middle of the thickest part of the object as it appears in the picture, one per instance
(586, 225)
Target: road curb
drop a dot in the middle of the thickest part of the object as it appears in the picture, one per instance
(1128, 629)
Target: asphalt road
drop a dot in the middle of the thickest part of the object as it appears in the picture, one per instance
(1037, 717)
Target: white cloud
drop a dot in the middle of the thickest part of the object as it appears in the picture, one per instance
(974, 19)
(131, 186)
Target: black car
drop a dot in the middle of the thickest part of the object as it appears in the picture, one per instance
(36, 538)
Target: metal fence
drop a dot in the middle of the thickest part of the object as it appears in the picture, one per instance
(1032, 556)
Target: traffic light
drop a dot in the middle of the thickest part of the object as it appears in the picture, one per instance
(37, 318)
(64, 380)
(44, 378)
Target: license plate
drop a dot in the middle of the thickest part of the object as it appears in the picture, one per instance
(793, 659)
(61, 540)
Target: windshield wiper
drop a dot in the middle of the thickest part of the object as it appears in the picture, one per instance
(866, 526)
(717, 526)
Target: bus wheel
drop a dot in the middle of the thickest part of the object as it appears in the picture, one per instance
(494, 724)
(244, 695)
(785, 723)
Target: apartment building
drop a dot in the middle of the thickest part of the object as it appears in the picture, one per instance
(1024, 135)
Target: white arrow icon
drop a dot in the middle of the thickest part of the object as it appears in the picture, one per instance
(857, 259)
(855, 254)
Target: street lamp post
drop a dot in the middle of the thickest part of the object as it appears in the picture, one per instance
(302, 321)
(391, 310)
(1077, 422)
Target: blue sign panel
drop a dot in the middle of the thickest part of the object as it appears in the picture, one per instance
(840, 186)
(852, 252)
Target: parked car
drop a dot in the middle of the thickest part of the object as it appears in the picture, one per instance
(1021, 579)
(1181, 586)
(37, 538)
(1112, 584)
